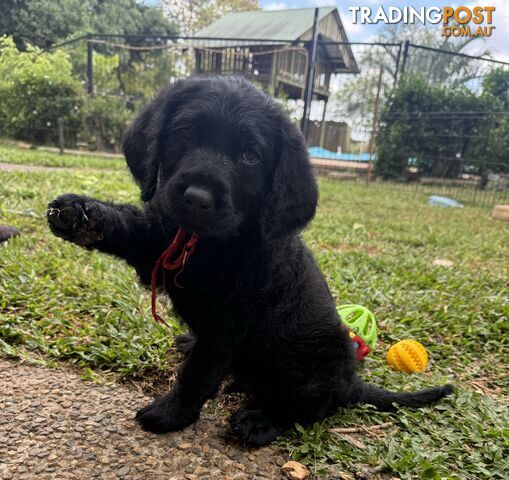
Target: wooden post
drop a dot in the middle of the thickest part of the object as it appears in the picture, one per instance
(61, 142)
(376, 109)
(323, 126)
(273, 74)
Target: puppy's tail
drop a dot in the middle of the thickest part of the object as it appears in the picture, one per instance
(385, 400)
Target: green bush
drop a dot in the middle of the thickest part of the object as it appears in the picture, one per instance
(496, 83)
(105, 119)
(495, 145)
(439, 131)
(37, 90)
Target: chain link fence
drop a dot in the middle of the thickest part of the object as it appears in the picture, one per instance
(402, 115)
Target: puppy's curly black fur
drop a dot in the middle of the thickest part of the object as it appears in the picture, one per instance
(217, 157)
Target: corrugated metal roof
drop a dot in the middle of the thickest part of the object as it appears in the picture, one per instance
(270, 25)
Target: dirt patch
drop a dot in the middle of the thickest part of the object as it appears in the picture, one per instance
(18, 167)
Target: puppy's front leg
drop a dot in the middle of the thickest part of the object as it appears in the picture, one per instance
(197, 381)
(91, 223)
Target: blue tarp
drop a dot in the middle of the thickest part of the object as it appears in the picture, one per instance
(320, 152)
(438, 200)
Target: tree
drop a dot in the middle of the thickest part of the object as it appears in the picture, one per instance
(128, 17)
(355, 98)
(193, 15)
(44, 23)
(439, 131)
(135, 65)
(493, 148)
(496, 83)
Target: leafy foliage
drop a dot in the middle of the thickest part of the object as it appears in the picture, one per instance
(496, 83)
(439, 131)
(354, 98)
(105, 120)
(494, 145)
(42, 22)
(45, 22)
(37, 90)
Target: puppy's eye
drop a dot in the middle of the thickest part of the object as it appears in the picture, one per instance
(184, 133)
(250, 157)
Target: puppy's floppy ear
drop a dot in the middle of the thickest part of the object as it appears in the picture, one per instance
(141, 144)
(293, 197)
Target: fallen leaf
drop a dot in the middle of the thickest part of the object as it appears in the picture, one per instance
(442, 263)
(344, 475)
(295, 470)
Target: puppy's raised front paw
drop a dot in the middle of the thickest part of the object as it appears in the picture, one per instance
(76, 218)
(163, 415)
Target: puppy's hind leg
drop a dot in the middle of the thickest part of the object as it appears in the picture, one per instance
(185, 343)
(255, 427)
(260, 426)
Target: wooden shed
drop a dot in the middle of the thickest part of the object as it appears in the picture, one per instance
(256, 44)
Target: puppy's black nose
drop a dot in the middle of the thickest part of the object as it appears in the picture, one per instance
(198, 198)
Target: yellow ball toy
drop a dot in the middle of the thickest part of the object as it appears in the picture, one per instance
(407, 356)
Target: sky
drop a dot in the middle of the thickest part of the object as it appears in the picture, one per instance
(498, 44)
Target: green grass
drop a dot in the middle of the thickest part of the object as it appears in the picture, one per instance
(376, 248)
(11, 154)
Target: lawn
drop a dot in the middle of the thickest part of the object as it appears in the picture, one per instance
(61, 305)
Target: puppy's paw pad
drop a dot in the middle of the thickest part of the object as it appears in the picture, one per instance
(162, 416)
(252, 427)
(75, 218)
(66, 212)
(154, 418)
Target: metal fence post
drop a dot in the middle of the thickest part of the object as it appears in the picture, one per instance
(398, 59)
(310, 78)
(405, 56)
(90, 65)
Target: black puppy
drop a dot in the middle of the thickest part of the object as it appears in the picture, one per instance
(218, 158)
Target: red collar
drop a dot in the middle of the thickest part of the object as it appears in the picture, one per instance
(168, 262)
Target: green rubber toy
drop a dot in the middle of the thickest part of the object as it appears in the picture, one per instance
(362, 325)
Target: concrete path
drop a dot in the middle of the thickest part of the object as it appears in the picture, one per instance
(18, 167)
(53, 425)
